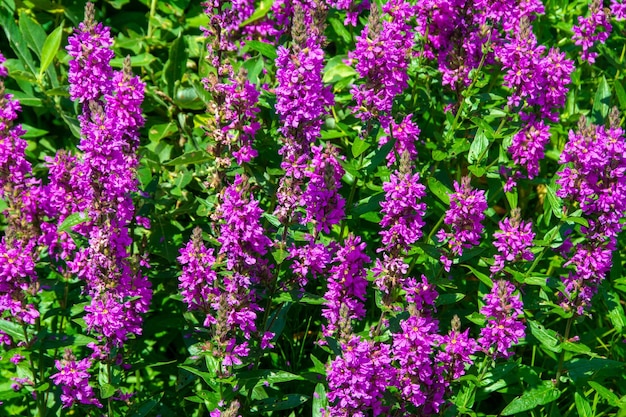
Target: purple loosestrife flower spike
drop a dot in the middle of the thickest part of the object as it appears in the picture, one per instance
(324, 205)
(457, 347)
(402, 212)
(513, 241)
(20, 191)
(465, 216)
(591, 30)
(382, 53)
(405, 134)
(527, 146)
(90, 73)
(242, 237)
(301, 97)
(357, 379)
(538, 81)
(345, 296)
(73, 377)
(503, 328)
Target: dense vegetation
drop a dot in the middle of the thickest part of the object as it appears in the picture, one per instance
(299, 207)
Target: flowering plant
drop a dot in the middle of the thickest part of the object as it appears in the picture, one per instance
(312, 208)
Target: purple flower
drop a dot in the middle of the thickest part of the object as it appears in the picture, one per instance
(382, 54)
(456, 350)
(538, 81)
(618, 10)
(301, 97)
(405, 134)
(73, 377)
(594, 176)
(242, 237)
(590, 264)
(345, 296)
(528, 145)
(198, 277)
(90, 73)
(419, 379)
(402, 212)
(3, 69)
(321, 199)
(503, 328)
(465, 216)
(591, 30)
(358, 379)
(513, 241)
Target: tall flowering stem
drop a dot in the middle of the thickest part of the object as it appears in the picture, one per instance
(593, 178)
(99, 184)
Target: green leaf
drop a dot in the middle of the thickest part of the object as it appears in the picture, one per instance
(209, 377)
(547, 337)
(478, 147)
(359, 146)
(584, 368)
(267, 50)
(582, 405)
(621, 95)
(441, 191)
(17, 41)
(259, 13)
(555, 203)
(107, 391)
(484, 278)
(12, 329)
(601, 102)
(268, 376)
(162, 131)
(176, 64)
(439, 155)
(33, 33)
(541, 395)
(605, 393)
(337, 72)
(73, 220)
(285, 402)
(193, 157)
(320, 401)
(50, 48)
(616, 311)
(340, 29)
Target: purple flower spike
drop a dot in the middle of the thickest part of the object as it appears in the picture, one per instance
(503, 328)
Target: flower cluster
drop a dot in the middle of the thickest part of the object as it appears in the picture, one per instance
(591, 30)
(73, 378)
(538, 80)
(456, 349)
(90, 73)
(420, 374)
(301, 97)
(358, 379)
(402, 212)
(345, 296)
(513, 241)
(321, 199)
(503, 328)
(593, 178)
(405, 135)
(382, 54)
(465, 216)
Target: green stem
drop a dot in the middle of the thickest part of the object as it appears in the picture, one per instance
(559, 370)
